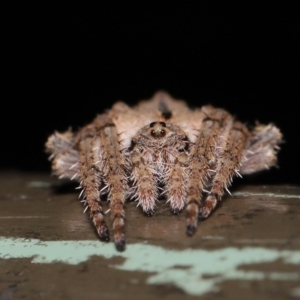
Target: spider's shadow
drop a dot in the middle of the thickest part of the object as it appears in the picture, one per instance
(70, 187)
(64, 187)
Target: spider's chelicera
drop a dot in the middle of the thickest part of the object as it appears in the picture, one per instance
(160, 147)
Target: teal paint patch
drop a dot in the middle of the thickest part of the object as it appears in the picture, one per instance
(271, 195)
(196, 271)
(296, 292)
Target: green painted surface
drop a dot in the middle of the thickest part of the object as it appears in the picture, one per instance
(195, 271)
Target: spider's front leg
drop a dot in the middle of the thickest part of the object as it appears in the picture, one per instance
(175, 179)
(159, 156)
(144, 177)
(102, 161)
(175, 158)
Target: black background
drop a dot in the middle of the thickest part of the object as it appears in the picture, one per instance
(67, 61)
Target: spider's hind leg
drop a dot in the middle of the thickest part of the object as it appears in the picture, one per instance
(63, 155)
(261, 149)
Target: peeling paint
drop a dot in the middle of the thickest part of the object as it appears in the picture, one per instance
(23, 217)
(196, 271)
(296, 292)
(272, 195)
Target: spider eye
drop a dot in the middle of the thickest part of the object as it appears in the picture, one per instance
(157, 129)
(158, 133)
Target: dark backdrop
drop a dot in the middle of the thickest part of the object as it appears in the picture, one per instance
(67, 61)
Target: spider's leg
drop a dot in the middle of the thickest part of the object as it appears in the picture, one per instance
(64, 155)
(202, 154)
(114, 172)
(261, 149)
(100, 156)
(229, 152)
(175, 179)
(89, 149)
(144, 178)
(175, 168)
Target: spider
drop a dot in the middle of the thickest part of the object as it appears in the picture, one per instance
(160, 147)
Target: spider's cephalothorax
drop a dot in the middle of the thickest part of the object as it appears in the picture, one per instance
(160, 147)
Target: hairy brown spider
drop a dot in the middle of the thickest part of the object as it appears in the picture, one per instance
(160, 146)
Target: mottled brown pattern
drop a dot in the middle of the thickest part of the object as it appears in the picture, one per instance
(160, 148)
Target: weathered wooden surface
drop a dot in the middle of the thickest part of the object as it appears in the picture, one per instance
(248, 249)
